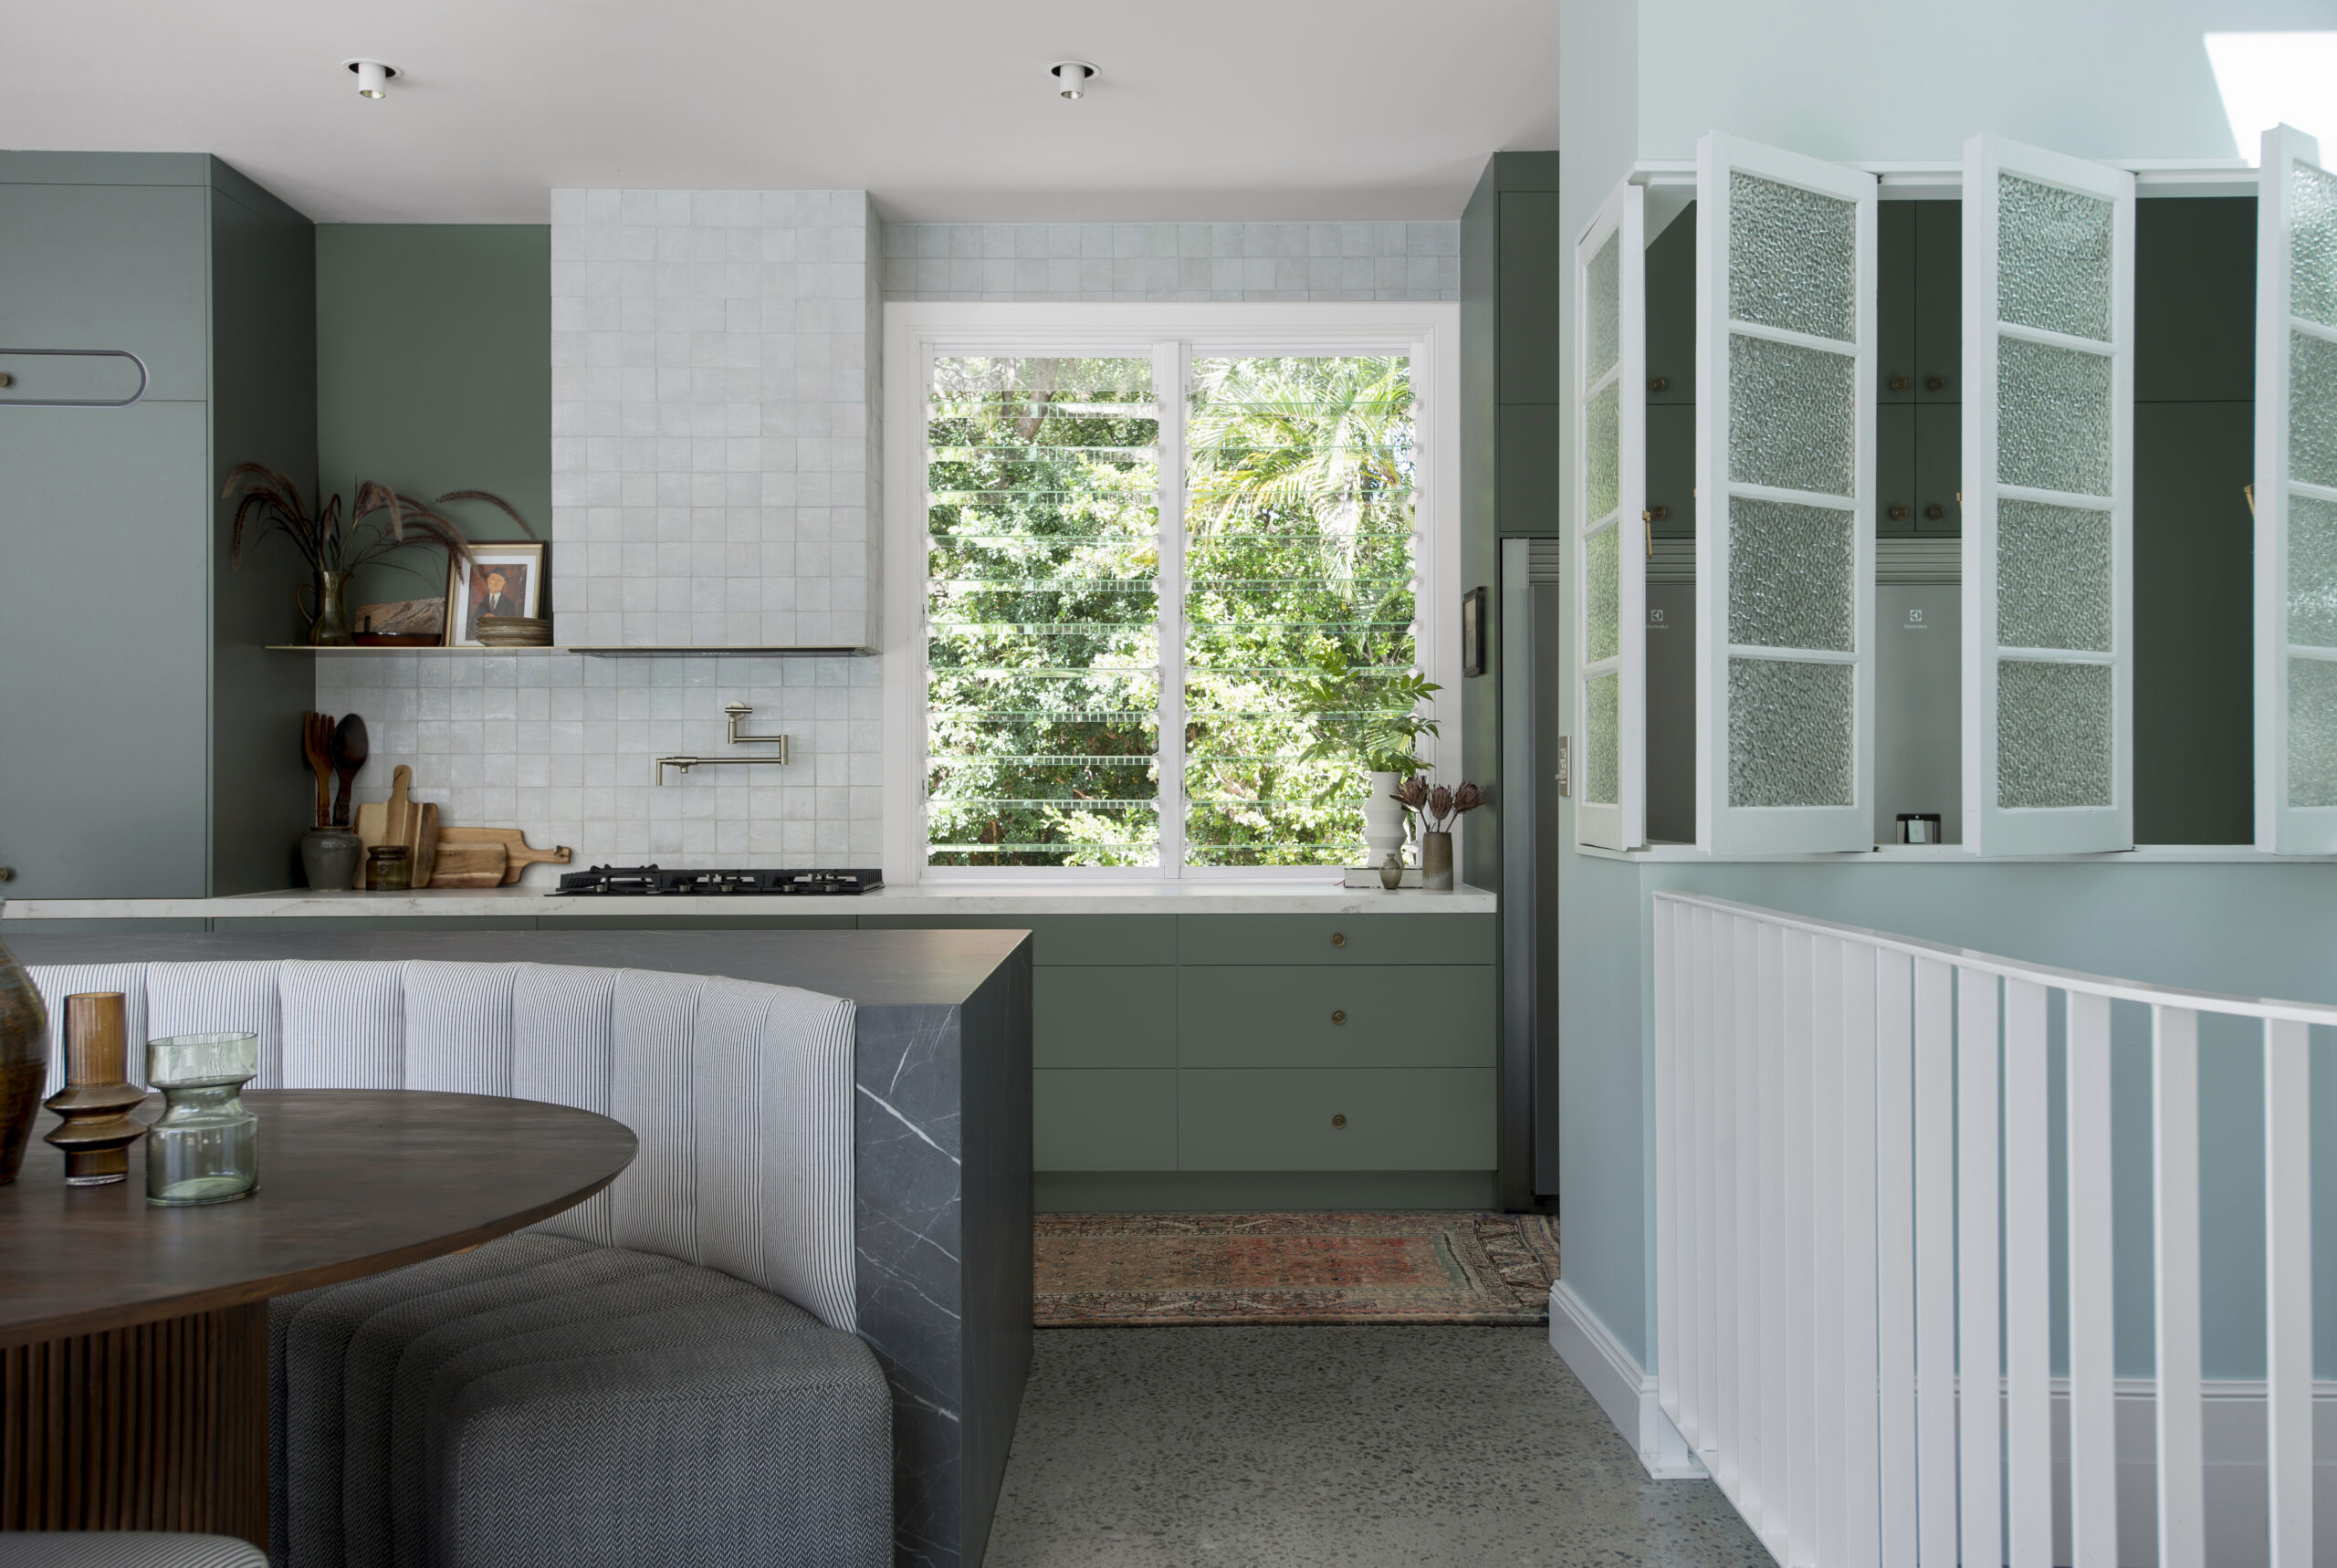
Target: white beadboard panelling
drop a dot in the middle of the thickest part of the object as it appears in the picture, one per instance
(715, 452)
(565, 747)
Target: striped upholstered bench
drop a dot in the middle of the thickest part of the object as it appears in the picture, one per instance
(665, 1373)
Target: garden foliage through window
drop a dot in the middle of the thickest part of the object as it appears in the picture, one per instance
(1102, 691)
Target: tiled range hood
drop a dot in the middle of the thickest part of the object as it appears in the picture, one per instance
(714, 421)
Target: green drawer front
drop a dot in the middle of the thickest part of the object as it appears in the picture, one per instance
(1059, 938)
(1334, 938)
(1335, 1016)
(1106, 1120)
(1279, 1119)
(1103, 1015)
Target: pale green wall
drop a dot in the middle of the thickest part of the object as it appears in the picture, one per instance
(1643, 80)
(434, 372)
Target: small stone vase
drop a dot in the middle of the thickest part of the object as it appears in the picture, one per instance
(1391, 871)
(1436, 862)
(24, 1061)
(328, 857)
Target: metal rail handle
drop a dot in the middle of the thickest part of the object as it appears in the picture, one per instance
(78, 402)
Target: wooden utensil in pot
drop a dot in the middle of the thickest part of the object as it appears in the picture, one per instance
(347, 752)
(316, 741)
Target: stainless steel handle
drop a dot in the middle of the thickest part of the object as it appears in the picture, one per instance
(73, 401)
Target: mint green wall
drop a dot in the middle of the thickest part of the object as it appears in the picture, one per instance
(1643, 80)
(434, 372)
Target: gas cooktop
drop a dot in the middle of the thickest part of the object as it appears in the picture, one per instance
(637, 881)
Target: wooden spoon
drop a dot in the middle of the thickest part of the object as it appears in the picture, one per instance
(349, 749)
(316, 739)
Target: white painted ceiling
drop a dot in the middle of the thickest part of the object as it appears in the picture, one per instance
(1205, 109)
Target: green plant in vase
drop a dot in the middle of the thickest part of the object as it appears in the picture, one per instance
(335, 544)
(1375, 717)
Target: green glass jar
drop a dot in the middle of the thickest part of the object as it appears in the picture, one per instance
(205, 1148)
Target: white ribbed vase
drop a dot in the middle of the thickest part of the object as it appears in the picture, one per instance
(1383, 819)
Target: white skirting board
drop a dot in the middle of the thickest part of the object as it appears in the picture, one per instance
(2233, 1422)
(1622, 1388)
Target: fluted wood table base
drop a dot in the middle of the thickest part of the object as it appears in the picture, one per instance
(161, 1426)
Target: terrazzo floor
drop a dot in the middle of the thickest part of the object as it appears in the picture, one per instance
(1377, 1446)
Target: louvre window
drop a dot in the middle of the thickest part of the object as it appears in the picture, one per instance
(1162, 590)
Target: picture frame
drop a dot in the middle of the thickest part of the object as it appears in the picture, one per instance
(521, 565)
(1472, 633)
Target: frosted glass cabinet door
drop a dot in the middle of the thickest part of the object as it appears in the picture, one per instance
(2048, 245)
(1784, 474)
(1608, 564)
(2296, 498)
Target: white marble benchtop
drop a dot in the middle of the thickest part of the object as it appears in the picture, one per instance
(930, 898)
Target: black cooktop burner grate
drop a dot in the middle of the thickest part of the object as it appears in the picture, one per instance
(605, 881)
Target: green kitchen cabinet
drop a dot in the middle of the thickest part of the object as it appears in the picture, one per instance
(1059, 938)
(1089, 1120)
(1895, 508)
(1671, 313)
(1335, 1016)
(1672, 469)
(166, 763)
(1894, 304)
(1939, 469)
(1341, 939)
(1938, 301)
(1104, 1016)
(1360, 1119)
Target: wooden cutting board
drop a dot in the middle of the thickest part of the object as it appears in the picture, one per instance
(399, 821)
(468, 865)
(518, 854)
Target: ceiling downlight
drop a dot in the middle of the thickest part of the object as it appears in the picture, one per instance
(373, 77)
(1071, 78)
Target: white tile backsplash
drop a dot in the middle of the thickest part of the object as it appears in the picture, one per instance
(715, 435)
(565, 745)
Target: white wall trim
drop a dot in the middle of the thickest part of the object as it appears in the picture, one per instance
(1622, 1388)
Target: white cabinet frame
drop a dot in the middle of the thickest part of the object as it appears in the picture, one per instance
(1621, 823)
(1721, 827)
(1990, 827)
(2281, 828)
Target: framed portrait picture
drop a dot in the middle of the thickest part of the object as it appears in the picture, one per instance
(500, 578)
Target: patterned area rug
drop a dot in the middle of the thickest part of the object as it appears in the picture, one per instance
(1104, 1271)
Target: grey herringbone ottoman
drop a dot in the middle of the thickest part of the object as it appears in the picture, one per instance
(124, 1548)
(548, 1401)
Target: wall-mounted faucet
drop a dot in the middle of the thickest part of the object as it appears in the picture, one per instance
(735, 711)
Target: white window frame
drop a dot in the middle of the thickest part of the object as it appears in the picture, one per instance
(1990, 829)
(2281, 828)
(1623, 824)
(1173, 334)
(1723, 828)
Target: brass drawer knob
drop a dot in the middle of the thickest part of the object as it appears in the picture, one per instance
(1898, 384)
(1338, 1015)
(1338, 938)
(1934, 511)
(1338, 1121)
(1657, 383)
(1898, 511)
(1935, 383)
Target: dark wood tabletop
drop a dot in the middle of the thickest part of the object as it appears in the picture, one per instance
(351, 1182)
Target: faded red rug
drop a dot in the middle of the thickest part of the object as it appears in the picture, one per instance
(1109, 1270)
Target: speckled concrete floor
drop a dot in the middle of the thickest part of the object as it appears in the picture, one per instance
(1294, 1447)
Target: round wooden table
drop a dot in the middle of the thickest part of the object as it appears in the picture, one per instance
(133, 1338)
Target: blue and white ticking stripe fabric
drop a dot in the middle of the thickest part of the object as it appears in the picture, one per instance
(741, 1094)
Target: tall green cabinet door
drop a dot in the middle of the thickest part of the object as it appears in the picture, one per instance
(105, 266)
(103, 745)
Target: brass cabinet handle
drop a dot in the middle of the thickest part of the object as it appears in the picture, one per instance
(1338, 938)
(1898, 511)
(1338, 1121)
(1935, 383)
(1934, 511)
(1657, 383)
(1338, 1015)
(1898, 384)
(1655, 514)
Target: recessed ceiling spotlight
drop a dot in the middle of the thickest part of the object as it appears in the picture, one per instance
(373, 77)
(1072, 77)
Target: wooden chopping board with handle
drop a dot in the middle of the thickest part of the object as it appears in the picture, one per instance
(468, 865)
(518, 854)
(398, 821)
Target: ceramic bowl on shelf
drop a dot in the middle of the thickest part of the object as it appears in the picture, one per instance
(515, 631)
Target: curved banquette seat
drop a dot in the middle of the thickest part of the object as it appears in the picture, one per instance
(666, 1373)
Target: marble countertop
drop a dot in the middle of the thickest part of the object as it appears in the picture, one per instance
(929, 898)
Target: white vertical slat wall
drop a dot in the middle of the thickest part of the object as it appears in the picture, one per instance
(1854, 1262)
